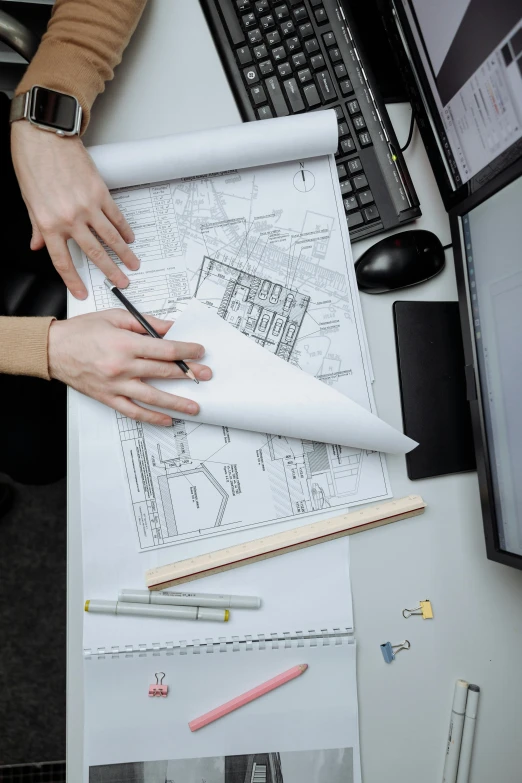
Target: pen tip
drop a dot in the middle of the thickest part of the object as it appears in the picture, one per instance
(191, 375)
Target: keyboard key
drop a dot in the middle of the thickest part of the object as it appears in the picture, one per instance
(293, 95)
(320, 16)
(358, 122)
(317, 62)
(354, 165)
(326, 87)
(365, 197)
(258, 95)
(249, 20)
(305, 75)
(335, 54)
(329, 39)
(315, 3)
(273, 89)
(365, 139)
(355, 219)
(306, 30)
(285, 69)
(273, 38)
(298, 60)
(340, 70)
(300, 14)
(292, 44)
(264, 113)
(353, 107)
(346, 87)
(343, 129)
(371, 213)
(279, 53)
(251, 75)
(350, 204)
(347, 145)
(266, 68)
(341, 171)
(267, 22)
(232, 22)
(312, 46)
(296, 2)
(254, 36)
(244, 55)
(243, 5)
(338, 112)
(346, 186)
(311, 95)
(260, 52)
(287, 28)
(360, 182)
(262, 6)
(281, 12)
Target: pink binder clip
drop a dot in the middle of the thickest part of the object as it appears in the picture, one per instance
(159, 689)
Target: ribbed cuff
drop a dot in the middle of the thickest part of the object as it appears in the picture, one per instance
(23, 346)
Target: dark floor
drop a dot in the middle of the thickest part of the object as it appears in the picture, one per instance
(33, 626)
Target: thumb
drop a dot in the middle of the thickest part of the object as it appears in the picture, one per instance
(37, 240)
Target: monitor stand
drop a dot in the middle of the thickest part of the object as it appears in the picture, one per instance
(435, 408)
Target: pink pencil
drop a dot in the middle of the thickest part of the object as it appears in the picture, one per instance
(245, 698)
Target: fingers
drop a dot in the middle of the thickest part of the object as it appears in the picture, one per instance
(162, 327)
(136, 412)
(142, 392)
(166, 350)
(63, 263)
(113, 239)
(148, 368)
(37, 240)
(116, 218)
(97, 254)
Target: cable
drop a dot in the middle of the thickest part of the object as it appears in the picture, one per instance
(410, 133)
(445, 247)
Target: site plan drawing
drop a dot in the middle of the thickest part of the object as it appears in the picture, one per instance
(268, 249)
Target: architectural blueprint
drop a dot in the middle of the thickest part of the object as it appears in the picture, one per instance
(268, 249)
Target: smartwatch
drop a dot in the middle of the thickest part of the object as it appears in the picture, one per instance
(49, 110)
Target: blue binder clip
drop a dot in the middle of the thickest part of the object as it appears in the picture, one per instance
(389, 651)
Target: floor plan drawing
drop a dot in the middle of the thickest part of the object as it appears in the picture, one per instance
(274, 261)
(269, 313)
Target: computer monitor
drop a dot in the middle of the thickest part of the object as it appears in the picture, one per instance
(487, 242)
(463, 60)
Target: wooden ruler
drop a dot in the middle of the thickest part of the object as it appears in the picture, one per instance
(280, 543)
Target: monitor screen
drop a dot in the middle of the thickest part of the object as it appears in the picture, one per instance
(471, 52)
(492, 249)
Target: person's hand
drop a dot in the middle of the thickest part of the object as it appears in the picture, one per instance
(105, 355)
(66, 198)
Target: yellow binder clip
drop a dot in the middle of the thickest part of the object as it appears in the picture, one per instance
(424, 609)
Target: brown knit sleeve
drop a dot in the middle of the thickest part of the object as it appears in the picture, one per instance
(83, 44)
(23, 346)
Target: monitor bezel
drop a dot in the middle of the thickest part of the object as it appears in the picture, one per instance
(486, 487)
(427, 114)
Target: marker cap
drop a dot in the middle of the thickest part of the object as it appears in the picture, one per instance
(101, 606)
(460, 696)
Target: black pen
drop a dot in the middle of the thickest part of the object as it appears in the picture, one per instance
(148, 328)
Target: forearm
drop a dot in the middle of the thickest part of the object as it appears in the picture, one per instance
(23, 346)
(83, 44)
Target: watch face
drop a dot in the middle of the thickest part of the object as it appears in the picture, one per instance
(53, 109)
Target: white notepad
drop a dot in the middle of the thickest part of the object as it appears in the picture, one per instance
(304, 732)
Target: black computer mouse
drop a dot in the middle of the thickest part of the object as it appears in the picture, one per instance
(399, 261)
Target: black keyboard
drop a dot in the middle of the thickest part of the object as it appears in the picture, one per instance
(287, 57)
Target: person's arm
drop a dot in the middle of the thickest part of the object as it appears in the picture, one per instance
(103, 355)
(63, 191)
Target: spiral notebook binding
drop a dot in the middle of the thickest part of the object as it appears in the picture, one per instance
(273, 641)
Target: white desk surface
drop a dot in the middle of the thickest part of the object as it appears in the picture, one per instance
(171, 80)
